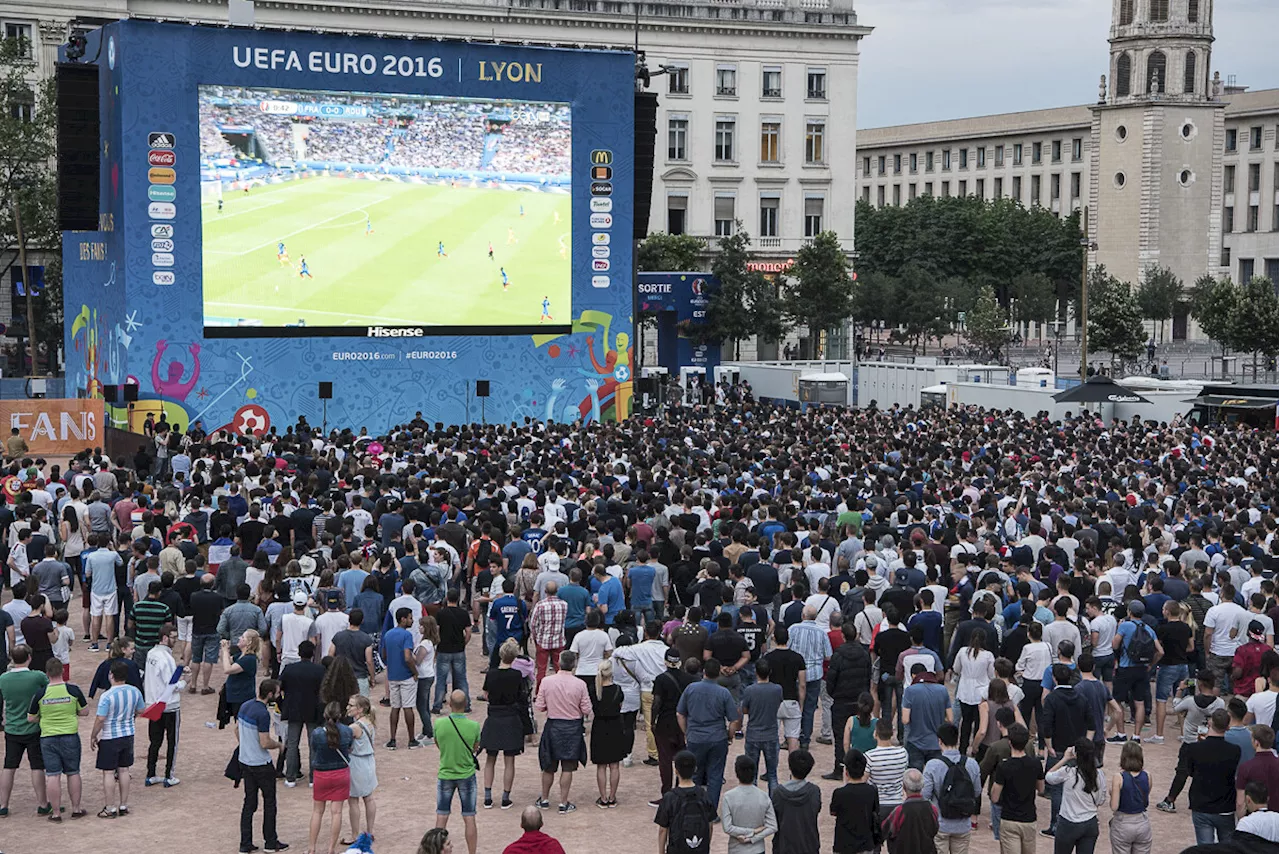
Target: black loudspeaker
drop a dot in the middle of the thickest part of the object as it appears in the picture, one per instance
(326, 391)
(111, 393)
(647, 385)
(482, 388)
(646, 134)
(129, 392)
(78, 159)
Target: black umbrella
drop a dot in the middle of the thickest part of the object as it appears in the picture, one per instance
(1099, 389)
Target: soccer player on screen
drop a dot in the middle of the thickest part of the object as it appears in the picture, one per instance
(302, 268)
(282, 254)
(522, 210)
(546, 310)
(506, 282)
(490, 250)
(440, 253)
(219, 205)
(564, 250)
(511, 236)
(368, 225)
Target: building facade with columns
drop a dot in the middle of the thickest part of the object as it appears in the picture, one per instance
(756, 113)
(1178, 168)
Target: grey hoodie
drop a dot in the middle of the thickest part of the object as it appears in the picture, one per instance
(742, 810)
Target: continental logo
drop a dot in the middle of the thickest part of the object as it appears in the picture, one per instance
(395, 332)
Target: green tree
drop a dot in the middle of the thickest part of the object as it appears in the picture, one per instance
(1115, 321)
(746, 303)
(1157, 293)
(1215, 305)
(820, 294)
(28, 190)
(1033, 298)
(985, 323)
(1256, 318)
(919, 309)
(670, 253)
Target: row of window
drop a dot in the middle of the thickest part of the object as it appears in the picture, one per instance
(1255, 138)
(980, 189)
(726, 140)
(962, 157)
(1255, 178)
(1251, 219)
(725, 214)
(1153, 82)
(1271, 266)
(1157, 11)
(726, 81)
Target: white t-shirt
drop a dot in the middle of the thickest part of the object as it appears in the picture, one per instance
(940, 594)
(1222, 618)
(591, 645)
(327, 625)
(815, 572)
(427, 667)
(825, 605)
(1263, 706)
(294, 629)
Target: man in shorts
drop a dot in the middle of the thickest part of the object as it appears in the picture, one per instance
(206, 609)
(1132, 684)
(100, 562)
(562, 747)
(786, 667)
(457, 738)
(56, 710)
(112, 737)
(17, 688)
(402, 675)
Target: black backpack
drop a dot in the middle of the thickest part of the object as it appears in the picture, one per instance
(957, 798)
(484, 551)
(1141, 647)
(690, 828)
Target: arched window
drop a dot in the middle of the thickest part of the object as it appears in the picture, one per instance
(1155, 71)
(1193, 11)
(1124, 71)
(1126, 12)
(1159, 10)
(1189, 74)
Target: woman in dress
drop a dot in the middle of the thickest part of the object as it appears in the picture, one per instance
(1130, 829)
(330, 749)
(607, 743)
(364, 771)
(1084, 789)
(974, 666)
(503, 730)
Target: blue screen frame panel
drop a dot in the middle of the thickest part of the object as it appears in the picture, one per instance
(324, 211)
(139, 302)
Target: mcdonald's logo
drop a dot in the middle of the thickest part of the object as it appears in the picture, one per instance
(601, 157)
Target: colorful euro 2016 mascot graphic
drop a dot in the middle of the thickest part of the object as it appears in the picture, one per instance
(607, 380)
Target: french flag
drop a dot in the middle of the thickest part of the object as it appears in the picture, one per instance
(156, 709)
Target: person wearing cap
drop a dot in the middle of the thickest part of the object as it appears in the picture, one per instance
(1136, 658)
(1246, 664)
(294, 629)
(330, 621)
(668, 687)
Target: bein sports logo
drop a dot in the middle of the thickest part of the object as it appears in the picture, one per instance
(162, 277)
(395, 332)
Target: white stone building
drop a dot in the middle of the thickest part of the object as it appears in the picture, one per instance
(1177, 168)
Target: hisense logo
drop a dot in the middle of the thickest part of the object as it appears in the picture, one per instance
(395, 332)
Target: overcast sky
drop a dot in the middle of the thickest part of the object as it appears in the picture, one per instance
(943, 59)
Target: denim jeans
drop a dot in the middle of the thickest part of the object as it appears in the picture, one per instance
(917, 757)
(644, 614)
(1054, 792)
(769, 747)
(812, 691)
(292, 751)
(711, 756)
(995, 821)
(423, 705)
(454, 663)
(1080, 837)
(1212, 827)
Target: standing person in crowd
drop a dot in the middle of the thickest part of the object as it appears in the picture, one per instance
(760, 705)
(241, 673)
(812, 644)
(206, 613)
(607, 741)
(1084, 789)
(1066, 720)
(114, 729)
(848, 678)
(1211, 765)
(668, 687)
(458, 740)
(704, 710)
(1138, 649)
(887, 764)
(567, 704)
(747, 814)
(257, 771)
(974, 667)
(1015, 784)
(160, 687)
(913, 824)
(451, 652)
(56, 709)
(100, 564)
(856, 808)
(402, 675)
(362, 764)
(1177, 640)
(1195, 710)
(684, 815)
(952, 783)
(19, 685)
(300, 709)
(330, 760)
(505, 724)
(1033, 661)
(424, 658)
(591, 646)
(926, 705)
(356, 646)
(1260, 820)
(546, 629)
(797, 803)
(1262, 768)
(1130, 829)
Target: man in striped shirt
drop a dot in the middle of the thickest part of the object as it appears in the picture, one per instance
(811, 642)
(112, 737)
(149, 616)
(546, 627)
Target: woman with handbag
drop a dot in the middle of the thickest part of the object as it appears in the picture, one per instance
(330, 748)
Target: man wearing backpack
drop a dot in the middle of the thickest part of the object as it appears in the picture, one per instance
(952, 784)
(684, 813)
(1138, 648)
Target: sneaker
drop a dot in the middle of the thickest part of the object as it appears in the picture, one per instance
(613, 802)
(1154, 739)
(386, 701)
(655, 803)
(413, 744)
(834, 775)
(488, 803)
(565, 809)
(278, 846)
(1166, 806)
(426, 741)
(1047, 832)
(822, 739)
(153, 781)
(651, 762)
(94, 648)
(248, 850)
(506, 804)
(1118, 738)
(542, 804)
(627, 762)
(170, 782)
(602, 803)
(291, 784)
(391, 745)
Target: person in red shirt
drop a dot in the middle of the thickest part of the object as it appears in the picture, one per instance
(1263, 768)
(533, 841)
(1246, 666)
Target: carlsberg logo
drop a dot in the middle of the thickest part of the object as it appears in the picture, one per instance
(395, 332)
